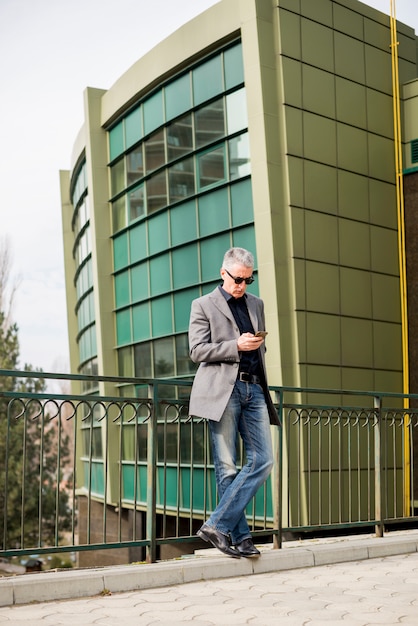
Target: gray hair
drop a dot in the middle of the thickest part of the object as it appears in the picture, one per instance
(239, 256)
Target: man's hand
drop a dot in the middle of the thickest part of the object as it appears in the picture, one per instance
(248, 342)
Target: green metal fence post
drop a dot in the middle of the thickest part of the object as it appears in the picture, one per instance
(277, 479)
(378, 466)
(151, 556)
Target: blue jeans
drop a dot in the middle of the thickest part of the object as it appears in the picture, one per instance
(246, 413)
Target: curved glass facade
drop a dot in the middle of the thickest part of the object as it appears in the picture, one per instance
(83, 278)
(181, 195)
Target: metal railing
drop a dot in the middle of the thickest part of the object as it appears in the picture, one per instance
(93, 472)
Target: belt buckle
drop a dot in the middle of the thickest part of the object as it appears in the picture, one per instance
(245, 377)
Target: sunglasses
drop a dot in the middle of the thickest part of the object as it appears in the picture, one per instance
(238, 279)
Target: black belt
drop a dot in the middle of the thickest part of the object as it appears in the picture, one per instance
(244, 377)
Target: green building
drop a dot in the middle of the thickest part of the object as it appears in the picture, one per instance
(266, 124)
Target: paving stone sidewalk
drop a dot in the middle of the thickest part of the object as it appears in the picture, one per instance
(338, 587)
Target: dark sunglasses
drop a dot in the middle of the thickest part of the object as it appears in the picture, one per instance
(238, 279)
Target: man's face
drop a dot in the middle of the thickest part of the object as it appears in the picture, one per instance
(237, 271)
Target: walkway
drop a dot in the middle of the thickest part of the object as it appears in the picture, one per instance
(356, 581)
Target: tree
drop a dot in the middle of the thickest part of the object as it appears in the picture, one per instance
(33, 508)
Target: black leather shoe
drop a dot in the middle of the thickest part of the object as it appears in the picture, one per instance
(218, 540)
(247, 548)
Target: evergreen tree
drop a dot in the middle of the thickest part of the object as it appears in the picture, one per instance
(34, 508)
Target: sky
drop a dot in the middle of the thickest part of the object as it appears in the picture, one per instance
(50, 51)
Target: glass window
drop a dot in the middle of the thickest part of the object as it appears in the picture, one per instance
(213, 212)
(182, 303)
(236, 111)
(158, 233)
(185, 266)
(133, 127)
(84, 212)
(143, 363)
(242, 203)
(163, 357)
(116, 144)
(160, 274)
(209, 123)
(134, 165)
(123, 327)
(180, 137)
(207, 80)
(185, 365)
(211, 254)
(141, 322)
(178, 98)
(120, 251)
(136, 202)
(245, 238)
(181, 181)
(234, 68)
(239, 157)
(139, 282)
(125, 362)
(119, 214)
(153, 112)
(117, 177)
(156, 192)
(83, 246)
(154, 151)
(161, 316)
(91, 313)
(138, 242)
(183, 223)
(122, 293)
(211, 167)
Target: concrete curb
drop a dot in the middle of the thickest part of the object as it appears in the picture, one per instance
(206, 564)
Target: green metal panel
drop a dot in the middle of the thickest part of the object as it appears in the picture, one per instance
(322, 287)
(351, 102)
(349, 58)
(321, 187)
(318, 55)
(318, 91)
(319, 350)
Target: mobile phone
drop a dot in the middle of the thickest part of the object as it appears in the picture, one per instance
(261, 333)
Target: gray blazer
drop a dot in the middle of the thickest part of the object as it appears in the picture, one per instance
(213, 334)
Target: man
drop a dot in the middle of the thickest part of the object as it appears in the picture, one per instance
(230, 390)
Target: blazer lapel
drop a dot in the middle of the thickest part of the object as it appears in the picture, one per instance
(252, 310)
(221, 304)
